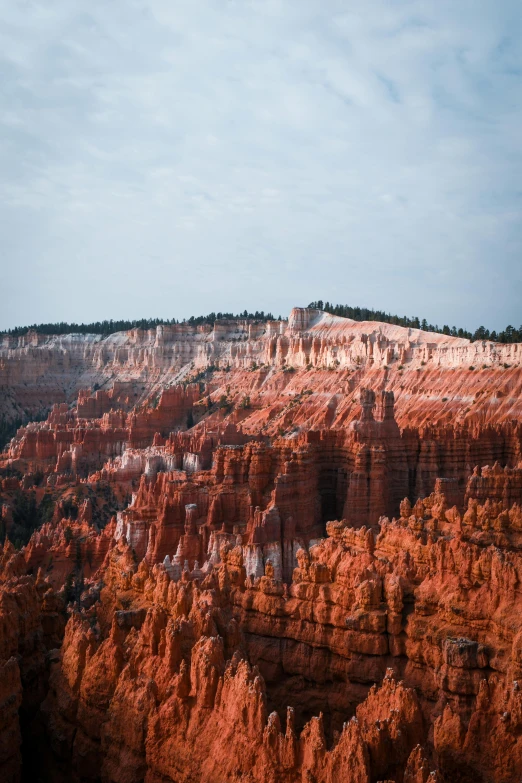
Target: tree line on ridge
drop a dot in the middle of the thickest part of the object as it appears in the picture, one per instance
(508, 335)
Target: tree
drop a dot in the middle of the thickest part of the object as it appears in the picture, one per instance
(79, 585)
(68, 588)
(7, 430)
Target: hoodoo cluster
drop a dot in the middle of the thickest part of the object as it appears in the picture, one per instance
(261, 551)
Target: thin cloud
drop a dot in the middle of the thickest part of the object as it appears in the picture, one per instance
(166, 159)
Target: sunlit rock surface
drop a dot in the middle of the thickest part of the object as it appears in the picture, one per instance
(284, 551)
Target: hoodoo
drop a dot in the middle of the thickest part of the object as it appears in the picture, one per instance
(261, 551)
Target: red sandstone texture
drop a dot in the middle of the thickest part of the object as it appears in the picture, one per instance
(31, 624)
(262, 552)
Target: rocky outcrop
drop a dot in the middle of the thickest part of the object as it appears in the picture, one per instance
(78, 441)
(214, 676)
(290, 551)
(334, 355)
(31, 624)
(168, 694)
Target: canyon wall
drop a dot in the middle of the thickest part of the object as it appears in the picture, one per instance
(284, 551)
(37, 371)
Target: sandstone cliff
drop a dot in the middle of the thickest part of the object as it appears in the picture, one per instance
(287, 551)
(37, 371)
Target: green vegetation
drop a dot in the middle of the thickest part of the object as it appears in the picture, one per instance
(10, 472)
(104, 503)
(70, 508)
(9, 428)
(68, 588)
(110, 327)
(28, 516)
(508, 335)
(74, 583)
(225, 404)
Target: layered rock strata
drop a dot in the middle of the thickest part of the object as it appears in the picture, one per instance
(333, 354)
(285, 552)
(216, 677)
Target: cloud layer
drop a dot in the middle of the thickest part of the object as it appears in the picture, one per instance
(165, 158)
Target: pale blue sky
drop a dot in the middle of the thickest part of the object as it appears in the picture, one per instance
(166, 158)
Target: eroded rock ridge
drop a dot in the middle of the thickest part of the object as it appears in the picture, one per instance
(262, 552)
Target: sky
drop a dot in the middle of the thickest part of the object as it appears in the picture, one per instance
(161, 158)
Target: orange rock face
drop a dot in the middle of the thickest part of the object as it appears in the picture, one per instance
(292, 553)
(31, 624)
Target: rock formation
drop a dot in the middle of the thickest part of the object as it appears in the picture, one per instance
(288, 551)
